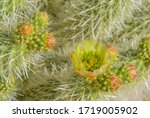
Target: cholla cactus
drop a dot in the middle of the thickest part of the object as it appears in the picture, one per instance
(92, 58)
(128, 73)
(15, 62)
(19, 51)
(7, 89)
(12, 11)
(110, 62)
(88, 19)
(109, 82)
(25, 29)
(95, 71)
(33, 36)
(144, 50)
(16, 54)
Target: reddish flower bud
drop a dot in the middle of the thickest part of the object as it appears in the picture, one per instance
(133, 72)
(50, 41)
(115, 82)
(25, 29)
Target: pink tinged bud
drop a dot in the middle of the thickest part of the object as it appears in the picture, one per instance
(133, 72)
(50, 41)
(25, 29)
(115, 82)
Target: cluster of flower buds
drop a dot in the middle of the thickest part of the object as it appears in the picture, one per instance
(113, 79)
(109, 82)
(33, 35)
(93, 60)
(128, 73)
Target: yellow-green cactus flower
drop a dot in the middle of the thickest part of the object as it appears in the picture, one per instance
(93, 58)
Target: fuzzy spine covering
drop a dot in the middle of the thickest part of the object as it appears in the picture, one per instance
(63, 82)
